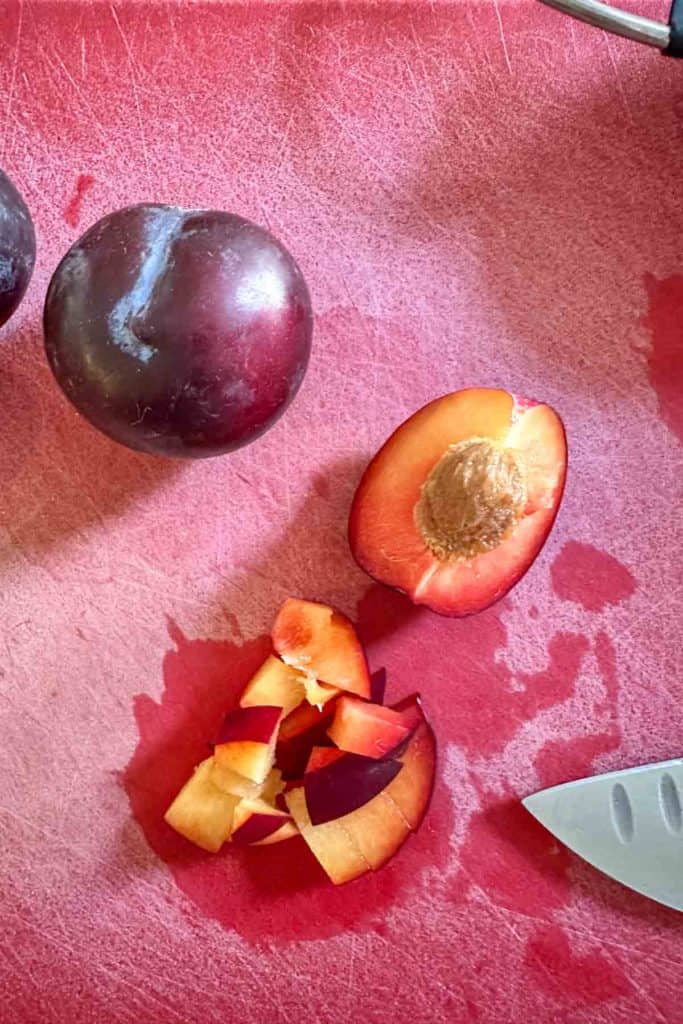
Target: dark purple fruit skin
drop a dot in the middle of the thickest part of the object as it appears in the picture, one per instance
(345, 785)
(178, 332)
(256, 725)
(378, 685)
(17, 248)
(256, 828)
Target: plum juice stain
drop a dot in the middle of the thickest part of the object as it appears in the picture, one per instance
(664, 321)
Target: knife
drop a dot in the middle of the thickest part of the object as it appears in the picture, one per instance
(667, 37)
(628, 824)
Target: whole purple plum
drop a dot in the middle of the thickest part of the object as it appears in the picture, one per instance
(17, 248)
(178, 332)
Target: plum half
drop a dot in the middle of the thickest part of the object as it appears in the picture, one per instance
(17, 248)
(178, 332)
(457, 504)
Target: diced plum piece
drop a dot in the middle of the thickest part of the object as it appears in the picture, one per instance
(229, 781)
(300, 722)
(412, 715)
(280, 799)
(457, 504)
(201, 812)
(306, 727)
(252, 761)
(272, 786)
(410, 710)
(330, 844)
(322, 643)
(246, 741)
(362, 728)
(286, 831)
(255, 724)
(344, 784)
(378, 829)
(277, 685)
(256, 820)
(321, 756)
(378, 685)
(411, 790)
(319, 694)
(374, 832)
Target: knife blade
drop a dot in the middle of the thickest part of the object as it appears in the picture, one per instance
(628, 824)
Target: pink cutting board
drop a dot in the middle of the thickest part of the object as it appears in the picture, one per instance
(478, 193)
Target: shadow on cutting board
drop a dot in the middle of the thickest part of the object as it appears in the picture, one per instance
(58, 475)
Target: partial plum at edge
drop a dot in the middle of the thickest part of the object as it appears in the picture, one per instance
(17, 248)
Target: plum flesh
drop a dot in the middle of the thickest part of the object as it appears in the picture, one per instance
(458, 502)
(345, 784)
(178, 332)
(17, 248)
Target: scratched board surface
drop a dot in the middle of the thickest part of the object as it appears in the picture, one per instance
(477, 193)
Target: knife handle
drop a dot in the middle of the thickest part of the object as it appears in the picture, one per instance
(668, 38)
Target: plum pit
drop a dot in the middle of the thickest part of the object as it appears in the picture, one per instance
(471, 500)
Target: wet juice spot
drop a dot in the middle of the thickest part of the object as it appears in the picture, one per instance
(664, 321)
(590, 979)
(72, 213)
(589, 577)
(513, 859)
